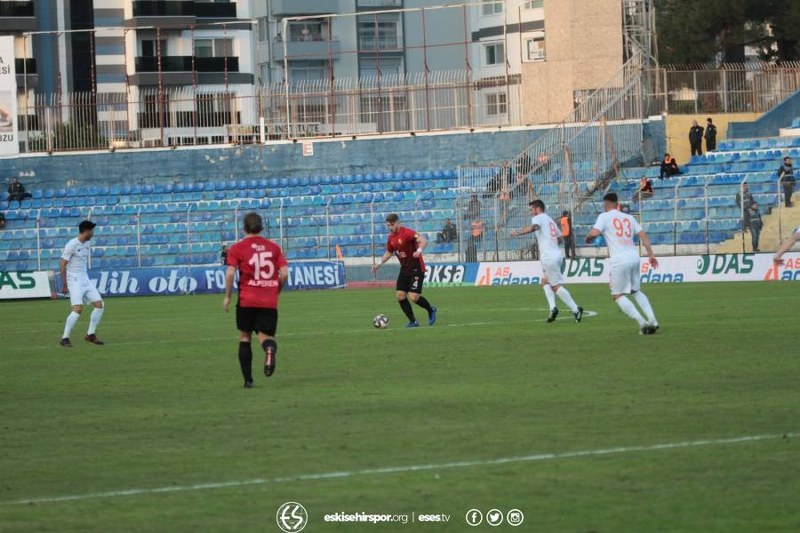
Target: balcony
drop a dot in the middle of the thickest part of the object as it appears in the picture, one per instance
(184, 64)
(170, 8)
(17, 16)
(307, 50)
(285, 8)
(378, 4)
(177, 70)
(180, 12)
(216, 10)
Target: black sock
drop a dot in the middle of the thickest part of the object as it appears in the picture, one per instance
(406, 307)
(424, 303)
(246, 360)
(270, 342)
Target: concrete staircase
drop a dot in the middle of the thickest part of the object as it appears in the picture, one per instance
(777, 224)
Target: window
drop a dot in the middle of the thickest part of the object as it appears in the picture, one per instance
(533, 4)
(492, 7)
(378, 35)
(534, 49)
(263, 29)
(308, 30)
(494, 54)
(308, 70)
(213, 110)
(150, 47)
(213, 48)
(496, 104)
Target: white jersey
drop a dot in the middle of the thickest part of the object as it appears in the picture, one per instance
(618, 230)
(547, 236)
(76, 253)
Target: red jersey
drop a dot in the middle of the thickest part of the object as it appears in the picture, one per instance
(403, 244)
(259, 261)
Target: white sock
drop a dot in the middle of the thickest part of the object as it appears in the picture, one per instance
(94, 320)
(644, 305)
(629, 309)
(72, 319)
(551, 296)
(566, 297)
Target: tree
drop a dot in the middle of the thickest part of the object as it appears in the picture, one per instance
(710, 31)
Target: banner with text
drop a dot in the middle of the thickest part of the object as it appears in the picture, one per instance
(696, 268)
(9, 141)
(23, 285)
(207, 280)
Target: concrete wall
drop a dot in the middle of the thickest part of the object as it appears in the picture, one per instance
(770, 123)
(583, 42)
(677, 130)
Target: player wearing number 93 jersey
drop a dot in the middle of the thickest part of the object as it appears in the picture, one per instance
(263, 271)
(619, 229)
(551, 255)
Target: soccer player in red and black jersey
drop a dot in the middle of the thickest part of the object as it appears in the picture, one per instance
(407, 245)
(263, 272)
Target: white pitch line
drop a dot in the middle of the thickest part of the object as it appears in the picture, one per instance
(404, 469)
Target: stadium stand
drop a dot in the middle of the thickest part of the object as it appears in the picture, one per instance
(186, 222)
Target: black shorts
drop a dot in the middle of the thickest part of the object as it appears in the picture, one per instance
(411, 281)
(257, 319)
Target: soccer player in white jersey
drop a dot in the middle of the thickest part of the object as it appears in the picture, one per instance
(619, 229)
(76, 283)
(551, 255)
(786, 245)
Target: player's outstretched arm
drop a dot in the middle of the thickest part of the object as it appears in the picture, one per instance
(785, 246)
(229, 277)
(591, 236)
(524, 231)
(651, 257)
(386, 257)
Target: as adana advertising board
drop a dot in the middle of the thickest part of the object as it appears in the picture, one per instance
(697, 268)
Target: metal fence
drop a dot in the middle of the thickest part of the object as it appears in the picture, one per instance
(753, 87)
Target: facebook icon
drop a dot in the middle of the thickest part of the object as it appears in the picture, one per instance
(474, 517)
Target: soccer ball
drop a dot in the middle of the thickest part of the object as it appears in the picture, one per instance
(380, 321)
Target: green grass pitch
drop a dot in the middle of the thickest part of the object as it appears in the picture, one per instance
(161, 405)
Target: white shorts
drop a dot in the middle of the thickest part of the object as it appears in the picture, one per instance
(83, 292)
(625, 279)
(552, 272)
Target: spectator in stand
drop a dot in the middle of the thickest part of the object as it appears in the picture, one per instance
(744, 199)
(669, 167)
(16, 191)
(449, 233)
(475, 238)
(786, 178)
(755, 225)
(501, 186)
(223, 255)
(473, 208)
(568, 234)
(711, 135)
(644, 191)
(523, 165)
(2, 221)
(696, 138)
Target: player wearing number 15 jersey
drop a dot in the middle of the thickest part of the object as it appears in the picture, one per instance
(263, 271)
(552, 256)
(618, 230)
